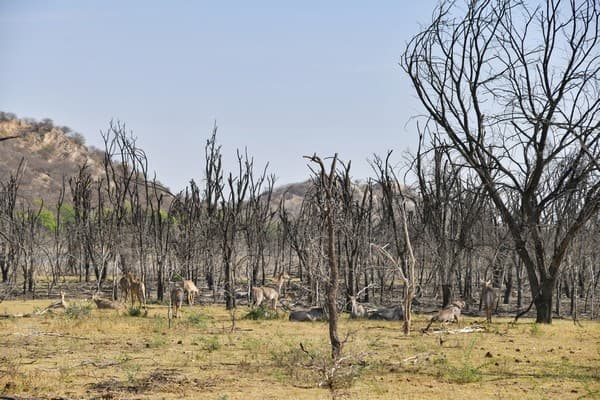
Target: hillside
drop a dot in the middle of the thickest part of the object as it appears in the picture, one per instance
(49, 153)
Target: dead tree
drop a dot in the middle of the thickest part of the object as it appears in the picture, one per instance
(213, 174)
(515, 90)
(326, 183)
(10, 251)
(449, 210)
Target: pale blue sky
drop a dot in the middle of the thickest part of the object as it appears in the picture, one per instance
(280, 78)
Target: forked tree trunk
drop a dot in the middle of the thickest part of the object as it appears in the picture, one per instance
(543, 302)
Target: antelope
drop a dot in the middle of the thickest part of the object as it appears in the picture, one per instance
(177, 300)
(488, 298)
(104, 304)
(388, 314)
(449, 314)
(138, 290)
(192, 291)
(259, 294)
(314, 314)
(124, 287)
(358, 310)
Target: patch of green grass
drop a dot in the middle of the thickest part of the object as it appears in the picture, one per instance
(198, 320)
(208, 343)
(535, 330)
(463, 371)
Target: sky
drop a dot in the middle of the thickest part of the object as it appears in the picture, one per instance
(281, 79)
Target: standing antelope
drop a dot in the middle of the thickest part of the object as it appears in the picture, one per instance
(488, 298)
(192, 291)
(138, 290)
(177, 300)
(449, 314)
(124, 288)
(259, 294)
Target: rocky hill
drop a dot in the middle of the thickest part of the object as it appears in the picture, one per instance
(48, 154)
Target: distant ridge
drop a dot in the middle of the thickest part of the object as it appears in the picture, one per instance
(49, 153)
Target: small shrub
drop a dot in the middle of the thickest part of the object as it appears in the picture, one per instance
(261, 313)
(197, 320)
(310, 368)
(78, 138)
(77, 310)
(46, 151)
(134, 312)
(211, 343)
(464, 372)
(535, 330)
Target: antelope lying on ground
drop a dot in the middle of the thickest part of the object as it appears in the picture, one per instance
(104, 304)
(449, 314)
(314, 314)
(177, 300)
(259, 294)
(488, 299)
(191, 290)
(388, 314)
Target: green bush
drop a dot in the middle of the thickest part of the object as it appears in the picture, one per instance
(261, 313)
(76, 310)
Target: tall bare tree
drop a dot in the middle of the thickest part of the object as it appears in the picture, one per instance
(326, 181)
(515, 89)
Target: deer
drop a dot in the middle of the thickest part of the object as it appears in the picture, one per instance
(488, 298)
(192, 291)
(259, 294)
(177, 300)
(138, 290)
(449, 314)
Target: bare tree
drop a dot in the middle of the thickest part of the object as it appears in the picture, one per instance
(326, 182)
(515, 90)
(10, 250)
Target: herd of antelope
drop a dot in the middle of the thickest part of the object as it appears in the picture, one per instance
(132, 288)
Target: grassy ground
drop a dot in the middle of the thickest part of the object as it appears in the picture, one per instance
(89, 353)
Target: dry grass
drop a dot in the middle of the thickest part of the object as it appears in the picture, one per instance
(110, 356)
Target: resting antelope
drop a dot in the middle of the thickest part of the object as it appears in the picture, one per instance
(488, 298)
(358, 310)
(449, 314)
(314, 314)
(177, 300)
(192, 291)
(104, 304)
(388, 313)
(259, 294)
